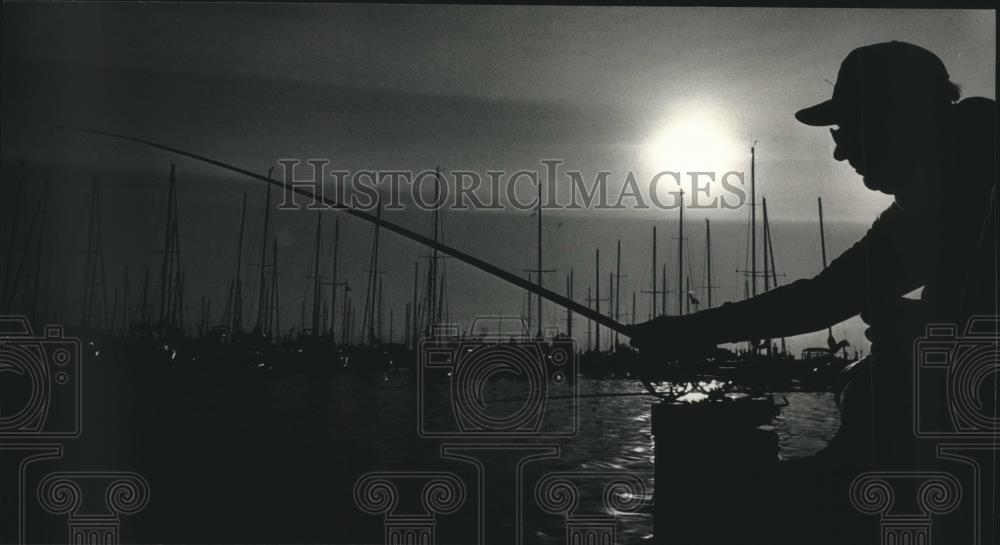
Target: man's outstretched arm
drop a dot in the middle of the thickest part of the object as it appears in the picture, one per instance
(880, 267)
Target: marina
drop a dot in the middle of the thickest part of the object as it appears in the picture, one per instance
(497, 275)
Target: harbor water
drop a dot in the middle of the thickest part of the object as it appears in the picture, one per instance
(269, 457)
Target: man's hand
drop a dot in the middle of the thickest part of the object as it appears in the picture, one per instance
(666, 336)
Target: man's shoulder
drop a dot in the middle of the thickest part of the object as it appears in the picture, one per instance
(974, 139)
(980, 104)
(976, 113)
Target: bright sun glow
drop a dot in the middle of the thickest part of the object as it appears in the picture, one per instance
(695, 137)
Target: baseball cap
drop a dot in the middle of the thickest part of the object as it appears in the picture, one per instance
(875, 76)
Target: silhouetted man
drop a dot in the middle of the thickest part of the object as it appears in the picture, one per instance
(900, 124)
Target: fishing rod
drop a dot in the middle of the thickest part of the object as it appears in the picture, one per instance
(469, 259)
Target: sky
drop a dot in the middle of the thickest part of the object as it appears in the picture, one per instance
(467, 87)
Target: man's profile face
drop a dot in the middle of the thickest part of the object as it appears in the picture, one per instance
(885, 152)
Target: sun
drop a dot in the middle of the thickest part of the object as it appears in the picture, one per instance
(694, 137)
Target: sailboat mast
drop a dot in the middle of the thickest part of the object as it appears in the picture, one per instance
(767, 242)
(274, 290)
(590, 323)
(237, 283)
(432, 313)
(316, 280)
(569, 295)
(165, 267)
(653, 289)
(261, 303)
(333, 276)
(540, 275)
(611, 289)
(774, 268)
(414, 325)
(597, 298)
(663, 288)
(680, 259)
(753, 219)
(618, 287)
(708, 258)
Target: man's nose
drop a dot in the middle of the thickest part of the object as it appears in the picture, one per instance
(839, 153)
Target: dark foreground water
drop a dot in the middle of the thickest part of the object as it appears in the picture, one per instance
(272, 458)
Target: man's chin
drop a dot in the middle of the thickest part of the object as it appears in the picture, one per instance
(876, 183)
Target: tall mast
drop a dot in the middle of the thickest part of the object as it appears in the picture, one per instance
(540, 275)
(653, 290)
(774, 269)
(618, 287)
(414, 325)
(316, 279)
(180, 302)
(680, 259)
(302, 318)
(349, 324)
(371, 296)
(166, 271)
(94, 261)
(406, 325)
(202, 317)
(569, 295)
(687, 293)
(597, 298)
(379, 309)
(261, 303)
(753, 219)
(528, 297)
(539, 271)
(333, 276)
(708, 259)
(611, 289)
(274, 312)
(237, 282)
(767, 240)
(432, 273)
(663, 289)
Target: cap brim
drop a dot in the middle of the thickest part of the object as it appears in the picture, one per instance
(824, 113)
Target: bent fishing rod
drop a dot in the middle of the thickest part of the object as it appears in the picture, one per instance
(469, 259)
